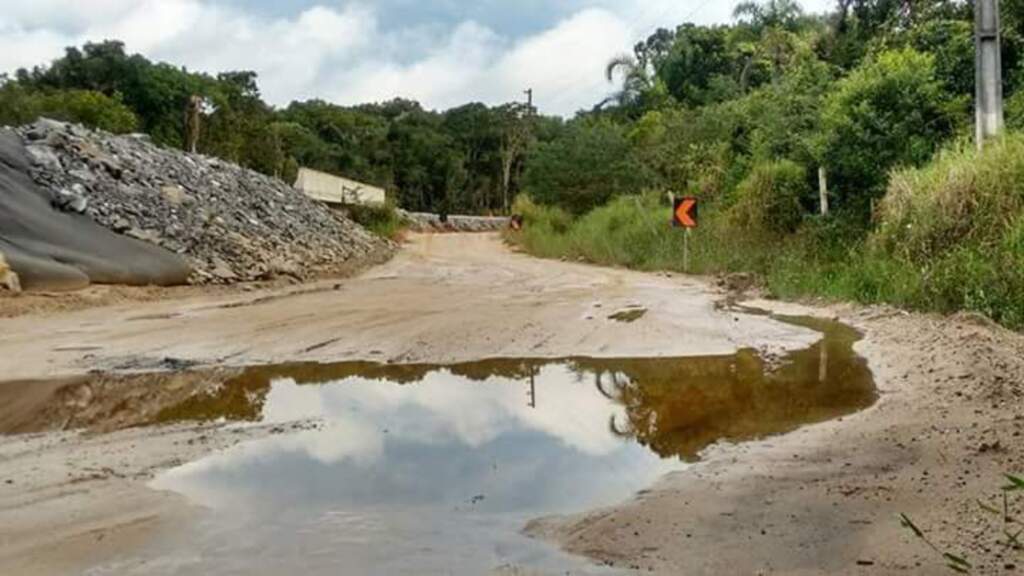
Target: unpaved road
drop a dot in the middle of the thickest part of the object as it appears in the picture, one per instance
(821, 500)
(444, 298)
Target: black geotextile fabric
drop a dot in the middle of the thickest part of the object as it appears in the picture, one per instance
(53, 250)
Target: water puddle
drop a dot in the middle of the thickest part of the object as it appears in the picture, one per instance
(419, 469)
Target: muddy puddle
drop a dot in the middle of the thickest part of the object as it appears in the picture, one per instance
(419, 469)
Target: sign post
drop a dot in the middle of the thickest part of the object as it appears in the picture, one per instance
(684, 215)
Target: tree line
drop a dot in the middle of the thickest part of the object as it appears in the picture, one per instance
(468, 159)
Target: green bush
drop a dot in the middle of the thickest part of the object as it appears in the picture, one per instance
(383, 220)
(544, 228)
(1015, 111)
(19, 105)
(769, 199)
(889, 112)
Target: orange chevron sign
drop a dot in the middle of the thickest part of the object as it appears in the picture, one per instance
(684, 212)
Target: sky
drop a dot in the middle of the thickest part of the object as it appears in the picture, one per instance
(442, 53)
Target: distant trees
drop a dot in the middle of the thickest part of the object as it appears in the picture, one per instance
(590, 163)
(469, 159)
(873, 85)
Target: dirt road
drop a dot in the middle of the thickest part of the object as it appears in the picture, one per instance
(444, 298)
(820, 500)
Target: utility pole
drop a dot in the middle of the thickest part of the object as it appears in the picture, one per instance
(529, 100)
(989, 71)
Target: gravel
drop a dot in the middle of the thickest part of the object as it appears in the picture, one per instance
(229, 223)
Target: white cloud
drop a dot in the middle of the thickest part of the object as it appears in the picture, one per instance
(21, 48)
(338, 50)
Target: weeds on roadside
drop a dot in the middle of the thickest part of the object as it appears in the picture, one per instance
(1011, 537)
(384, 220)
(947, 237)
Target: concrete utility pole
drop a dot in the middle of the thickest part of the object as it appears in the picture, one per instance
(989, 71)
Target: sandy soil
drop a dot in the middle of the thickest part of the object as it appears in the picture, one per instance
(821, 500)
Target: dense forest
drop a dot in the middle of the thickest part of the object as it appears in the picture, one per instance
(875, 95)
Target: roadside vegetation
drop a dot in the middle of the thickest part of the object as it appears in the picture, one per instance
(384, 221)
(878, 95)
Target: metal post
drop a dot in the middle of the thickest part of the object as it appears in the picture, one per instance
(823, 190)
(989, 71)
(686, 252)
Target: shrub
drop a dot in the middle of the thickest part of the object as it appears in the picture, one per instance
(959, 222)
(544, 228)
(769, 199)
(384, 221)
(889, 112)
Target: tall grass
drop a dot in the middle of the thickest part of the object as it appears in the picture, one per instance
(948, 237)
(384, 221)
(636, 232)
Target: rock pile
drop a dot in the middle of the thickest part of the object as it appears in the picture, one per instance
(231, 224)
(426, 222)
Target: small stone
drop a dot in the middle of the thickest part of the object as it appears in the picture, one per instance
(72, 200)
(43, 156)
(176, 195)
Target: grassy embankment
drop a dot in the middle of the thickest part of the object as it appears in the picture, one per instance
(946, 237)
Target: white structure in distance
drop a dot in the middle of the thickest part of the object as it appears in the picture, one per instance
(335, 190)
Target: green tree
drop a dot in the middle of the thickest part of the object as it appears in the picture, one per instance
(589, 164)
(777, 14)
(702, 67)
(887, 113)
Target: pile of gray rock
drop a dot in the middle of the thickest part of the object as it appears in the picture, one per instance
(229, 223)
(427, 222)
